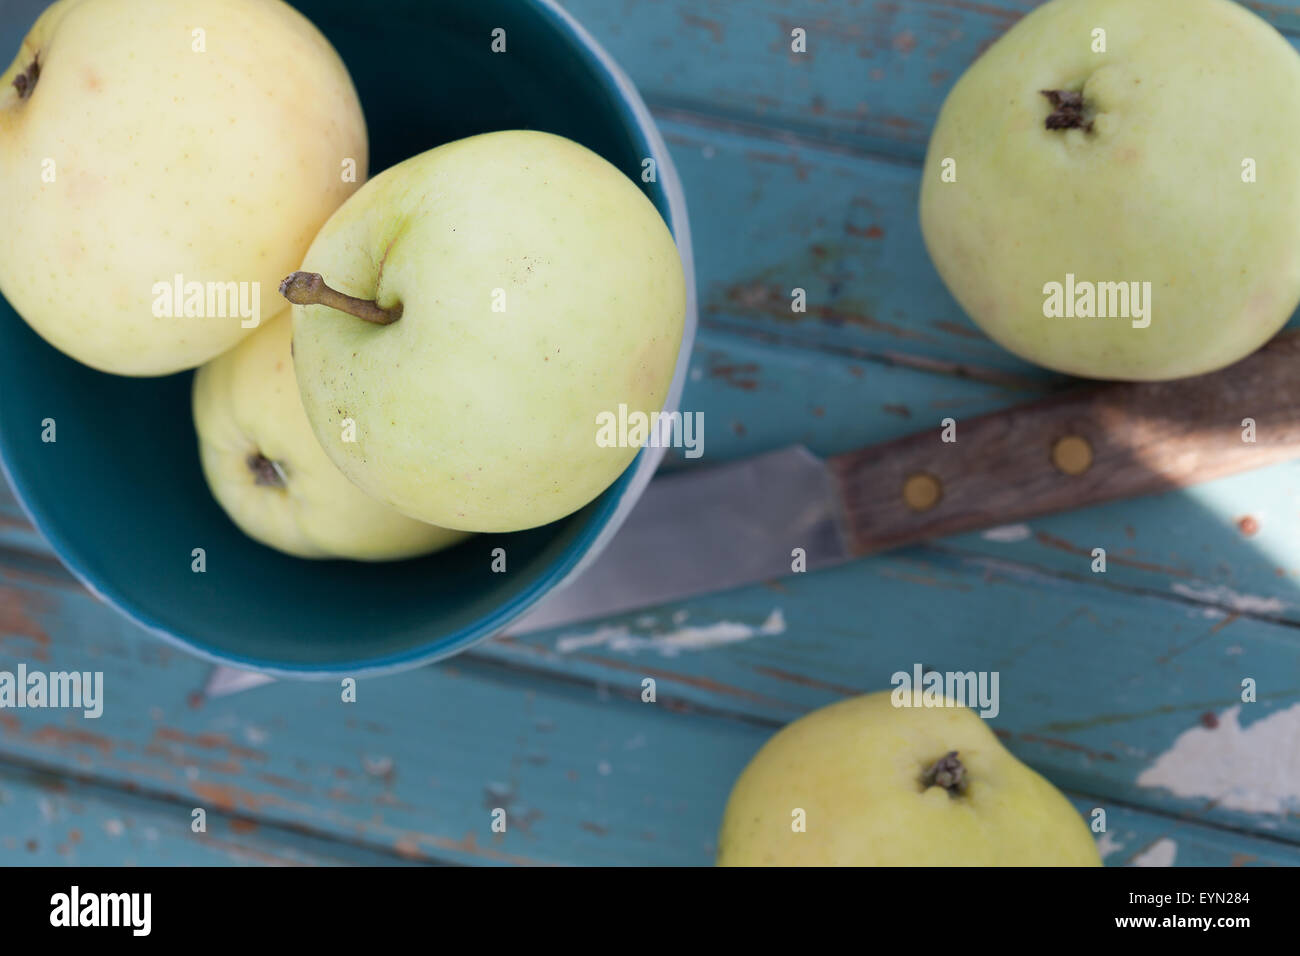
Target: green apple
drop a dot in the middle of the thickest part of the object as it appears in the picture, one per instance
(163, 163)
(1104, 151)
(268, 472)
(880, 785)
(462, 323)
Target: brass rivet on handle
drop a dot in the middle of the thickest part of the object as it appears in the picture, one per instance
(922, 491)
(1072, 454)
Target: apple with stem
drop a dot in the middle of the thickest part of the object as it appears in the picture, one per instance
(163, 164)
(463, 321)
(1113, 189)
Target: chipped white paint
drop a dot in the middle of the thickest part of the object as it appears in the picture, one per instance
(377, 766)
(1007, 533)
(1160, 853)
(1107, 844)
(1226, 597)
(672, 643)
(1255, 769)
(254, 735)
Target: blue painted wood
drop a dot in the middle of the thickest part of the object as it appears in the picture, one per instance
(1133, 838)
(874, 77)
(51, 821)
(769, 218)
(586, 771)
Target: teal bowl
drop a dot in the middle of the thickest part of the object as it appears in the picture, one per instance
(120, 495)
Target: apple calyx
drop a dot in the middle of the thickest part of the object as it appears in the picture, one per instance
(947, 772)
(1067, 110)
(309, 288)
(265, 471)
(25, 81)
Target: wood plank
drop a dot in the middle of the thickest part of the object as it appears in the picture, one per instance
(1134, 838)
(873, 78)
(50, 821)
(53, 821)
(756, 398)
(1228, 544)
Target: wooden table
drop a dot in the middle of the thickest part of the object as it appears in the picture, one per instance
(1124, 688)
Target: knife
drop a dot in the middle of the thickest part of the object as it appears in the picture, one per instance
(700, 531)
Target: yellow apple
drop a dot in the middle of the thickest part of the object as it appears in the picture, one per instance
(466, 319)
(163, 163)
(1113, 188)
(268, 472)
(880, 785)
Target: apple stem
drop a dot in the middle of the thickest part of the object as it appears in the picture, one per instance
(1067, 110)
(947, 772)
(265, 471)
(25, 81)
(309, 288)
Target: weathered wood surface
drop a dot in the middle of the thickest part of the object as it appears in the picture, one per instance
(1121, 687)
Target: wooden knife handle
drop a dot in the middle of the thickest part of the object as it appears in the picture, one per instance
(1119, 440)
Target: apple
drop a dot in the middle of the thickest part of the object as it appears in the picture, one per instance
(462, 323)
(163, 163)
(268, 472)
(881, 785)
(1113, 189)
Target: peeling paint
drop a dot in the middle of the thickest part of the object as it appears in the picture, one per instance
(685, 638)
(1160, 853)
(1007, 533)
(1107, 844)
(1255, 769)
(1226, 597)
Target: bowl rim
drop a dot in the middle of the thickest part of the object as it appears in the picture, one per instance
(580, 553)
